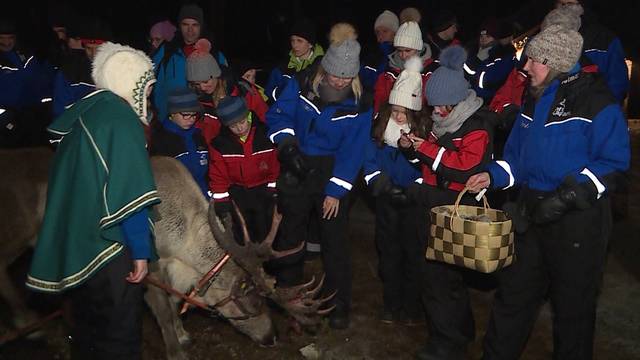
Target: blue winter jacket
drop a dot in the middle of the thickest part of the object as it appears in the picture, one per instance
(390, 161)
(576, 129)
(137, 235)
(487, 76)
(604, 49)
(170, 75)
(66, 93)
(25, 84)
(369, 73)
(339, 130)
(187, 146)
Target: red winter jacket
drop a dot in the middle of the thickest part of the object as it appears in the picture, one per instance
(210, 124)
(210, 127)
(254, 101)
(451, 168)
(513, 89)
(247, 164)
(510, 92)
(384, 84)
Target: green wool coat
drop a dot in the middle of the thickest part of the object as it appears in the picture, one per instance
(100, 175)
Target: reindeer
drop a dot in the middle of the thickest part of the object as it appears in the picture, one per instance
(189, 238)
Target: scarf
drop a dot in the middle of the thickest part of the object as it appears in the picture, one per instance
(392, 132)
(328, 94)
(483, 52)
(397, 63)
(461, 112)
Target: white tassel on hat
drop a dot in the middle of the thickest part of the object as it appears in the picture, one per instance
(407, 90)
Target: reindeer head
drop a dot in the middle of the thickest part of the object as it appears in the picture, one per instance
(301, 301)
(238, 300)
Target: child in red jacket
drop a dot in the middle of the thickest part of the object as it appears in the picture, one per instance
(244, 166)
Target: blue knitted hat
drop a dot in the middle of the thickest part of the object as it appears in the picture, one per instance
(447, 85)
(183, 100)
(231, 109)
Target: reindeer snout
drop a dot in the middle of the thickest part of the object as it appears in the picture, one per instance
(269, 342)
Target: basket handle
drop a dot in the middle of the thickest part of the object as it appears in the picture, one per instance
(460, 195)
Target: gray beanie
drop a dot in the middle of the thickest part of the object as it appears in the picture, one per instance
(447, 85)
(387, 19)
(201, 66)
(567, 16)
(343, 59)
(191, 11)
(557, 47)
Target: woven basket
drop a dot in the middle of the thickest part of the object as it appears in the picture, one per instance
(476, 245)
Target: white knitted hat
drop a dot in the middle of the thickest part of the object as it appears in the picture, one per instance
(126, 72)
(407, 90)
(409, 36)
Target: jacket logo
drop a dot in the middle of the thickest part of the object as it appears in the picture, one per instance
(263, 166)
(560, 109)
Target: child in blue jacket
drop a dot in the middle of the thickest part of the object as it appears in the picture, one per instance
(388, 172)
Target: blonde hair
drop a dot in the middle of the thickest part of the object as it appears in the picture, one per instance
(219, 92)
(356, 85)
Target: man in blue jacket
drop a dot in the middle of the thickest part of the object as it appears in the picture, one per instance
(568, 142)
(170, 60)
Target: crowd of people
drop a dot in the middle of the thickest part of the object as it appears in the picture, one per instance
(420, 120)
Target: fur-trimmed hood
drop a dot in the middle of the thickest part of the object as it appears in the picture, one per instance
(125, 71)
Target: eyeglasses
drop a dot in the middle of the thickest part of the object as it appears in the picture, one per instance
(188, 115)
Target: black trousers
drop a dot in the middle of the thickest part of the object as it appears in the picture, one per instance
(107, 314)
(564, 260)
(297, 205)
(400, 254)
(445, 293)
(256, 205)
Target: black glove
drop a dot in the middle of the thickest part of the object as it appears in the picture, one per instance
(291, 159)
(222, 208)
(569, 195)
(417, 194)
(381, 184)
(507, 117)
(580, 196)
(288, 182)
(446, 141)
(398, 195)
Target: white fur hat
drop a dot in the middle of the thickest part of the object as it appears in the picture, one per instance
(407, 90)
(126, 72)
(409, 36)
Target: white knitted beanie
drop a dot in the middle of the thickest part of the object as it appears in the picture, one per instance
(407, 90)
(409, 36)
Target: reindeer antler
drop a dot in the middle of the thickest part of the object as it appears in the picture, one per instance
(300, 301)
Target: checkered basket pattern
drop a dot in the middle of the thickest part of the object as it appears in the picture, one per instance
(476, 245)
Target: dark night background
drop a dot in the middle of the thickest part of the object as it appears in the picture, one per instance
(258, 30)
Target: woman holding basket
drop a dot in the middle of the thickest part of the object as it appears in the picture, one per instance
(458, 146)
